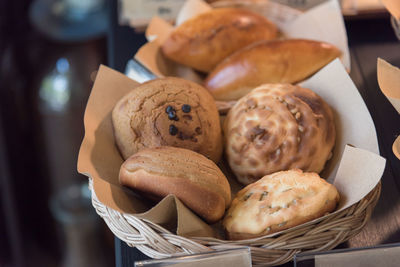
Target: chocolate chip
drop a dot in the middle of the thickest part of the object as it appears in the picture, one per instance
(169, 109)
(173, 130)
(172, 115)
(186, 108)
(198, 130)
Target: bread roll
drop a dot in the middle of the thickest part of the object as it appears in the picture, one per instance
(203, 41)
(194, 179)
(280, 61)
(277, 202)
(278, 127)
(168, 112)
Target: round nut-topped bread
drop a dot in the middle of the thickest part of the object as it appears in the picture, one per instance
(278, 127)
(168, 112)
(194, 179)
(277, 202)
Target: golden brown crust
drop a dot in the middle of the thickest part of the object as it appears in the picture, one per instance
(140, 119)
(277, 202)
(194, 179)
(280, 61)
(205, 40)
(278, 127)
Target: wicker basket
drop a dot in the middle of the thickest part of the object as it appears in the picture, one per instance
(157, 242)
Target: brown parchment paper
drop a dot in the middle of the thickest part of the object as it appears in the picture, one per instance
(393, 6)
(100, 160)
(355, 171)
(389, 82)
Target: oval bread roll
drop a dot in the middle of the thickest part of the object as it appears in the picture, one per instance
(280, 61)
(168, 112)
(205, 40)
(277, 202)
(193, 178)
(278, 127)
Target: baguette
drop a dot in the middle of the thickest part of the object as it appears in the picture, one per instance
(280, 61)
(205, 40)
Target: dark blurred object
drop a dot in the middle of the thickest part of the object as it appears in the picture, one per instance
(382, 255)
(44, 86)
(73, 210)
(9, 227)
(70, 20)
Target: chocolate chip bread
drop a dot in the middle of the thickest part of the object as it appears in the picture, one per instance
(168, 112)
(277, 202)
(193, 178)
(278, 127)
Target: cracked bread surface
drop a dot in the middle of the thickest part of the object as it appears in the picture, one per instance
(168, 112)
(194, 179)
(278, 127)
(277, 202)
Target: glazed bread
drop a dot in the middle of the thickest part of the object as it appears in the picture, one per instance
(190, 176)
(205, 40)
(278, 127)
(277, 202)
(280, 61)
(168, 112)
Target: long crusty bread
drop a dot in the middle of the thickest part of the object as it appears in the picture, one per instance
(281, 61)
(205, 40)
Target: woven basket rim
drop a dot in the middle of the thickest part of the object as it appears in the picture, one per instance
(157, 242)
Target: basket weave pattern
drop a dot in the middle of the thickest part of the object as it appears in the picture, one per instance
(157, 242)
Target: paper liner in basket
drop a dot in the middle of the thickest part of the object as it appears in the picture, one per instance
(323, 22)
(393, 6)
(389, 83)
(358, 173)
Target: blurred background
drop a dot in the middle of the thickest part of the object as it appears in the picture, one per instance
(49, 53)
